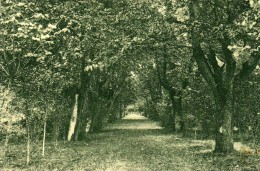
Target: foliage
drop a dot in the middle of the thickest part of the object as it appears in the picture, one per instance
(10, 116)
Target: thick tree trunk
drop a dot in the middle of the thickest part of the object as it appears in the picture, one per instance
(97, 122)
(163, 80)
(73, 119)
(96, 116)
(82, 118)
(82, 101)
(223, 136)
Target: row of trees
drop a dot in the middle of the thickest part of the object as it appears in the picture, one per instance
(217, 41)
(79, 64)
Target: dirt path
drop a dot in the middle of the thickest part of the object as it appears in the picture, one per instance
(134, 143)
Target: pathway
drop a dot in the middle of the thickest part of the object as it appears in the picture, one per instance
(136, 143)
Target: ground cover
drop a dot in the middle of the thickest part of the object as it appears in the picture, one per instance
(131, 144)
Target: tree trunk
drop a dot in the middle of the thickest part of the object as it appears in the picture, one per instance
(44, 130)
(28, 132)
(120, 110)
(97, 122)
(28, 142)
(180, 112)
(7, 137)
(96, 115)
(82, 115)
(76, 137)
(73, 120)
(124, 111)
(82, 119)
(57, 124)
(223, 136)
(44, 138)
(173, 113)
(57, 131)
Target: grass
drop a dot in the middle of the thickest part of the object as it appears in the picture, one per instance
(132, 144)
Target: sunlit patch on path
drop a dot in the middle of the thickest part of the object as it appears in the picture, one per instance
(133, 116)
(134, 121)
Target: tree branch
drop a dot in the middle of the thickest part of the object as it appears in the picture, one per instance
(230, 62)
(4, 70)
(203, 65)
(163, 76)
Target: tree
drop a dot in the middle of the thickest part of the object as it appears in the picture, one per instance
(224, 43)
(218, 65)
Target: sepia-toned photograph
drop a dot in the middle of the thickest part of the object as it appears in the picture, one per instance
(129, 85)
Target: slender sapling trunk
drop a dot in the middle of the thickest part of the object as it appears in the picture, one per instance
(44, 138)
(28, 143)
(9, 124)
